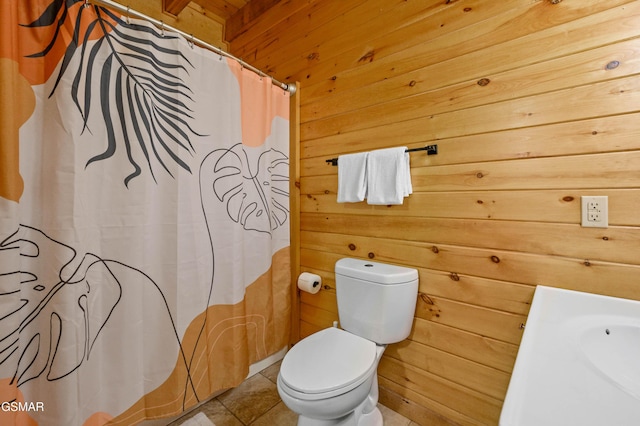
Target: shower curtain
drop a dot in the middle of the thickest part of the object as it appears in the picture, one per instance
(144, 219)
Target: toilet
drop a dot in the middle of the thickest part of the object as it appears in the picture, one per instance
(330, 377)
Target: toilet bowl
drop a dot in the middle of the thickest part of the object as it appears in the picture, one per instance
(330, 378)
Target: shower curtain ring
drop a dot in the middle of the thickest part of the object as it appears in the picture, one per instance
(190, 41)
(86, 3)
(162, 28)
(128, 20)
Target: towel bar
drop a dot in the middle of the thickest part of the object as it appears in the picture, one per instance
(431, 150)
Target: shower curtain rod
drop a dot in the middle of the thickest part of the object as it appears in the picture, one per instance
(126, 10)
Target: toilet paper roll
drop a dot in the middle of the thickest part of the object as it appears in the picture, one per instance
(309, 282)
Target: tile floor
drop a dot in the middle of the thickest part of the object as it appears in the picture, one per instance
(256, 402)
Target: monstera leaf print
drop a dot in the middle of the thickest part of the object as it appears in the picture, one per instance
(132, 77)
(65, 301)
(252, 183)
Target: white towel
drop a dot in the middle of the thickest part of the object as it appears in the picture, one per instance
(388, 176)
(352, 177)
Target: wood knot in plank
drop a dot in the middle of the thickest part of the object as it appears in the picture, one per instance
(568, 198)
(435, 249)
(367, 57)
(371, 255)
(426, 299)
(612, 65)
(352, 246)
(495, 259)
(313, 56)
(483, 82)
(454, 276)
(587, 262)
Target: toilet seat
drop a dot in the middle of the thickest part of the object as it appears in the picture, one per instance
(328, 362)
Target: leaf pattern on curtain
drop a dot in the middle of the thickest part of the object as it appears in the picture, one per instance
(255, 203)
(147, 90)
(94, 301)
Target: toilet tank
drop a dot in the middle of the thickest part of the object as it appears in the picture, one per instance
(376, 301)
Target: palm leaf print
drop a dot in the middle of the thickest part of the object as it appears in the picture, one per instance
(126, 72)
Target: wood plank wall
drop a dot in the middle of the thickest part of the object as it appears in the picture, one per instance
(532, 105)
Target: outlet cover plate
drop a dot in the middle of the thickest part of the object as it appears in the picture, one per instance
(595, 211)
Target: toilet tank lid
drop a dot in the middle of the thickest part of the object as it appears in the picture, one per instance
(376, 272)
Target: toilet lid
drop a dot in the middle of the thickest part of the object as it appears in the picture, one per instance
(327, 360)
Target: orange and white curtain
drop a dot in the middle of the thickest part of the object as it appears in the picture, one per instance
(144, 218)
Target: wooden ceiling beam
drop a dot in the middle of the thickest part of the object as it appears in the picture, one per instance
(174, 7)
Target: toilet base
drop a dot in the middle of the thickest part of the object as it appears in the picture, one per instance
(348, 420)
(365, 414)
(373, 418)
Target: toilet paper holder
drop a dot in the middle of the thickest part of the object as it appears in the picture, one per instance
(309, 282)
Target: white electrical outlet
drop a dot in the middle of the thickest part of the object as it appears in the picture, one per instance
(595, 211)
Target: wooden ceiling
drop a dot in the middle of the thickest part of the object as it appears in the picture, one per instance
(234, 14)
(223, 9)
